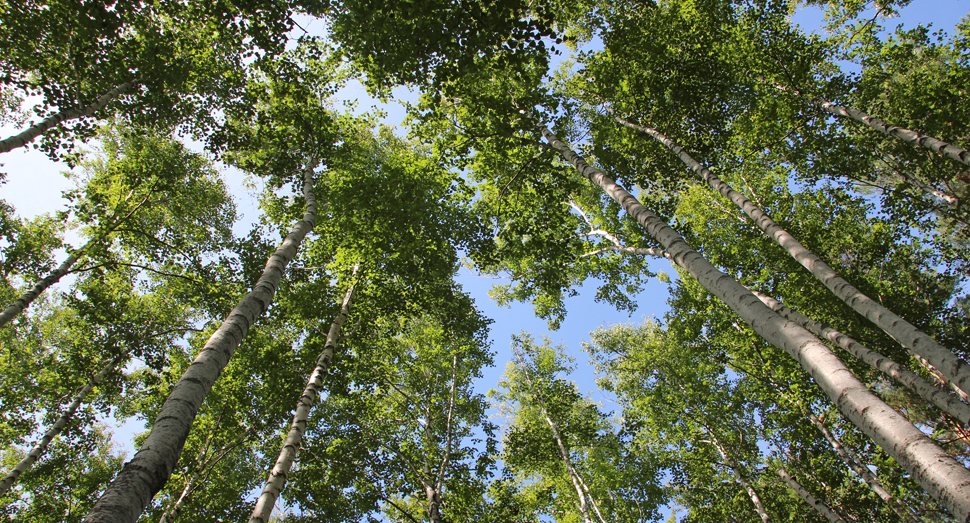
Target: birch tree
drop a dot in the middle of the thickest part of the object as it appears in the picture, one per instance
(131, 491)
(558, 440)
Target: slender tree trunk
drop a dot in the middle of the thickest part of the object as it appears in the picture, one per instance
(277, 478)
(900, 133)
(905, 513)
(133, 488)
(953, 367)
(806, 496)
(944, 401)
(14, 309)
(38, 128)
(434, 494)
(942, 476)
(563, 451)
(204, 469)
(752, 493)
(169, 515)
(941, 378)
(65, 417)
(28, 297)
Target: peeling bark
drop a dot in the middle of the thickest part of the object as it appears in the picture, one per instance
(940, 475)
(142, 477)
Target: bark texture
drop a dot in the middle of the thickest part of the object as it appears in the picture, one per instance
(944, 401)
(949, 364)
(939, 474)
(38, 128)
(901, 133)
(277, 477)
(905, 513)
(131, 491)
(807, 497)
(65, 417)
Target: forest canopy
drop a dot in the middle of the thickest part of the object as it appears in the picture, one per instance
(323, 362)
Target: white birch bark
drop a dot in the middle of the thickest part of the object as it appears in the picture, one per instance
(940, 475)
(169, 515)
(941, 378)
(38, 128)
(900, 133)
(133, 488)
(41, 446)
(952, 366)
(752, 493)
(14, 309)
(940, 398)
(807, 497)
(201, 474)
(905, 513)
(277, 477)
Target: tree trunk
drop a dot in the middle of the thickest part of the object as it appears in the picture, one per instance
(900, 133)
(942, 476)
(277, 477)
(944, 401)
(204, 469)
(752, 493)
(953, 367)
(28, 297)
(58, 426)
(133, 488)
(38, 128)
(863, 472)
(941, 378)
(563, 451)
(819, 506)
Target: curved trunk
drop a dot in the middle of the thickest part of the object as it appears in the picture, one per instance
(944, 401)
(38, 128)
(62, 421)
(953, 367)
(863, 472)
(133, 488)
(277, 477)
(807, 497)
(942, 476)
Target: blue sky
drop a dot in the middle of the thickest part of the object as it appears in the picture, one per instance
(34, 186)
